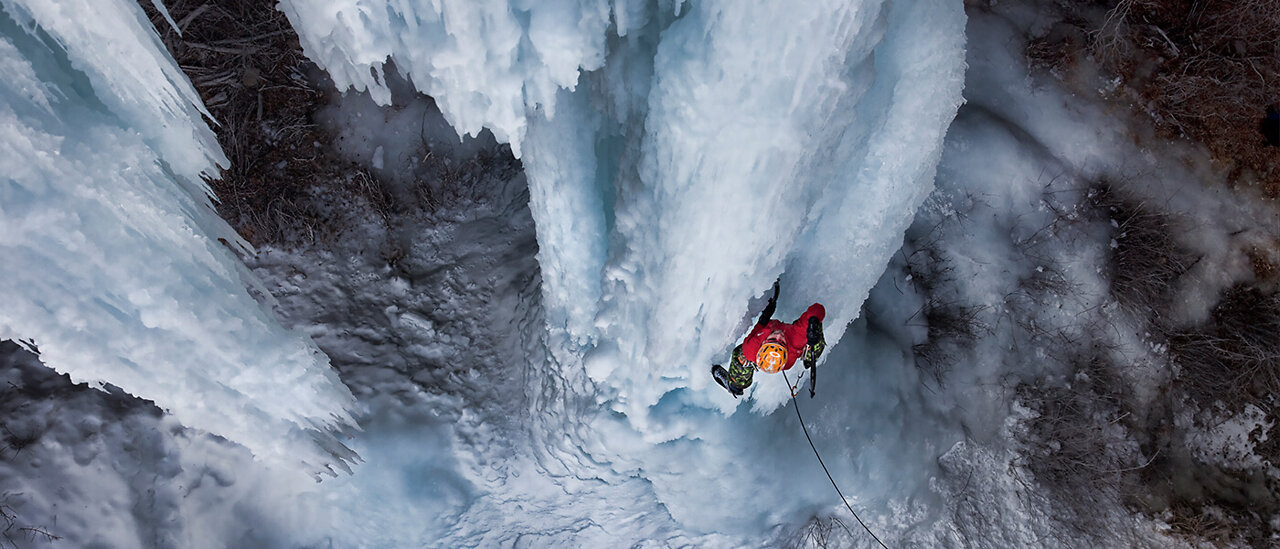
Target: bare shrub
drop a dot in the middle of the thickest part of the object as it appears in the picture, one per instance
(1145, 260)
(1202, 522)
(951, 325)
(822, 533)
(444, 180)
(1230, 362)
(1061, 48)
(1081, 444)
(285, 184)
(1202, 69)
(12, 530)
(16, 442)
(1208, 504)
(244, 59)
(1079, 436)
(1235, 358)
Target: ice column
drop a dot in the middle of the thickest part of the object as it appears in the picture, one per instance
(116, 266)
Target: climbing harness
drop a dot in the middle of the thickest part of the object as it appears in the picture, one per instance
(824, 465)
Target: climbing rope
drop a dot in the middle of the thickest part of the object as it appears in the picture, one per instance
(796, 387)
(824, 466)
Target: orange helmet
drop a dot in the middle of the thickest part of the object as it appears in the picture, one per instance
(772, 356)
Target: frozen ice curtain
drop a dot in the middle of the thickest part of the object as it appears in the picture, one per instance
(681, 155)
(116, 265)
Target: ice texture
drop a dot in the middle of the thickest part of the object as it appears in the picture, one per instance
(116, 266)
(681, 155)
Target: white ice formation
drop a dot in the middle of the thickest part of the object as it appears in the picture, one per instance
(115, 264)
(681, 155)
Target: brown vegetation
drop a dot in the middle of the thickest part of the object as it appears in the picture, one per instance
(1081, 441)
(1215, 69)
(286, 184)
(1204, 70)
(245, 61)
(1218, 368)
(1092, 438)
(1234, 359)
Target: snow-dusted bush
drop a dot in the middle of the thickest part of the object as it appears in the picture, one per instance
(1079, 440)
(951, 323)
(1145, 260)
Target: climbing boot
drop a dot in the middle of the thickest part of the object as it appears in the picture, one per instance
(722, 377)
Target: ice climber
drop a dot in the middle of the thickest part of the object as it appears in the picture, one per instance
(773, 346)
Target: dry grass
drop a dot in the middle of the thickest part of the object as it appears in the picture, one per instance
(1205, 70)
(285, 184)
(245, 61)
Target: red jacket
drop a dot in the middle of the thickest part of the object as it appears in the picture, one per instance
(796, 335)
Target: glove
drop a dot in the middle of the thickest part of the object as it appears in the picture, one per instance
(815, 331)
(767, 313)
(816, 343)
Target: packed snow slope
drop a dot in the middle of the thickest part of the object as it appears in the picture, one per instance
(116, 266)
(680, 155)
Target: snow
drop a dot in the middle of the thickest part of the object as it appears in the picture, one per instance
(1228, 441)
(117, 268)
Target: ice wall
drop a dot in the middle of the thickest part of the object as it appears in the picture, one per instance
(116, 265)
(681, 155)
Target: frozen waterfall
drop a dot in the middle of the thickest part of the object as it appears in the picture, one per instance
(116, 266)
(681, 155)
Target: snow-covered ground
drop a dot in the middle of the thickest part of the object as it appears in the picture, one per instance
(528, 349)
